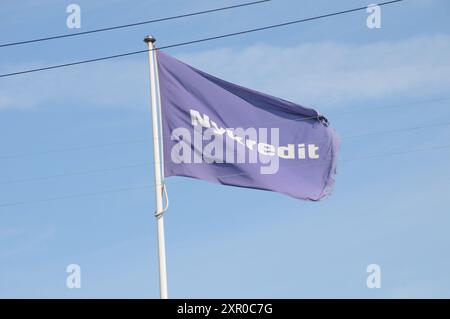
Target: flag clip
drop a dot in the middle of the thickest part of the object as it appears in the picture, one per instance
(322, 119)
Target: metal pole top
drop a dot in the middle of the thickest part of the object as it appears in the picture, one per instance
(149, 39)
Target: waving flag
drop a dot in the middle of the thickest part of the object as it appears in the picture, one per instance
(224, 133)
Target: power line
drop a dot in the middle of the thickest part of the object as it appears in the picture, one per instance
(73, 63)
(120, 190)
(132, 24)
(299, 119)
(75, 148)
(87, 172)
(110, 169)
(390, 154)
(194, 41)
(133, 141)
(275, 25)
(405, 129)
(374, 108)
(397, 153)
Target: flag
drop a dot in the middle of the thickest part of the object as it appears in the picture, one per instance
(224, 133)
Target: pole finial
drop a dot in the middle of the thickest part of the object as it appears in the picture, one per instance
(149, 39)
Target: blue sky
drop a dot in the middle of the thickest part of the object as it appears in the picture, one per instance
(222, 241)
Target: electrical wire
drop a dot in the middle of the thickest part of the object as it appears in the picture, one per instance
(194, 41)
(136, 141)
(132, 24)
(120, 190)
(130, 166)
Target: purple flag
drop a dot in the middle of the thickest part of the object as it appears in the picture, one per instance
(224, 133)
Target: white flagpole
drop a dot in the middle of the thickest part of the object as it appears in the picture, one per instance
(154, 91)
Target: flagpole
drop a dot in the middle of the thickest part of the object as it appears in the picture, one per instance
(154, 91)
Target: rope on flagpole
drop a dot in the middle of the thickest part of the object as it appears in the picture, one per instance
(166, 207)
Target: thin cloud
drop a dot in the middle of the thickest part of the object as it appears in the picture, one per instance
(335, 73)
(115, 83)
(314, 74)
